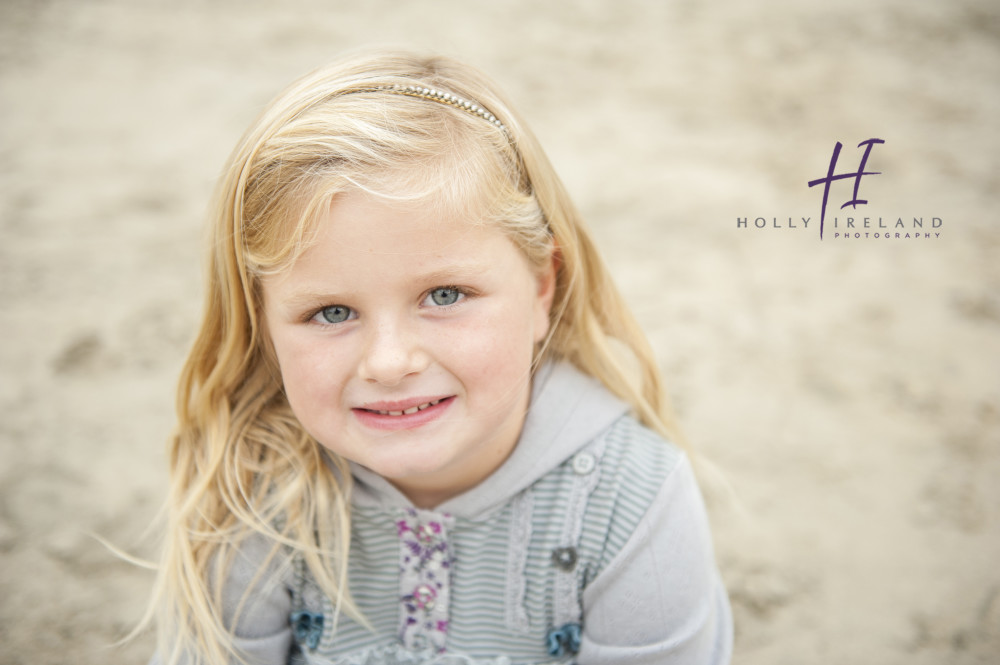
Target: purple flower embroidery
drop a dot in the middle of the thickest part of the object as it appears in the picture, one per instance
(428, 533)
(425, 582)
(424, 596)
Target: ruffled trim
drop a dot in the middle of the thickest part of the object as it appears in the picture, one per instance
(522, 509)
(397, 655)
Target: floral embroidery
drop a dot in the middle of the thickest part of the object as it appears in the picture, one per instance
(425, 561)
(423, 597)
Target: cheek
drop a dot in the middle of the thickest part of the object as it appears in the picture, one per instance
(492, 350)
(307, 370)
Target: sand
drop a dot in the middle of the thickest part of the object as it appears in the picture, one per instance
(847, 388)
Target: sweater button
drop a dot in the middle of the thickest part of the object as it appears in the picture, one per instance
(564, 558)
(584, 463)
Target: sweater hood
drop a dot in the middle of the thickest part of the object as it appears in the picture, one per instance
(567, 410)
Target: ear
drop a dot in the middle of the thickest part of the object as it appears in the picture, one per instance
(546, 278)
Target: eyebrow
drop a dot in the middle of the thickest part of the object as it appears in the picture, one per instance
(443, 277)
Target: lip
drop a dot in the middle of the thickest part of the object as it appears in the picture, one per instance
(369, 415)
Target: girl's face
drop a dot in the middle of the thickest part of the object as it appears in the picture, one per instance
(405, 342)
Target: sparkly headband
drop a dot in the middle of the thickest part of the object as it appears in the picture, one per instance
(441, 98)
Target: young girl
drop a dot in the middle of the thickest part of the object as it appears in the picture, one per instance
(418, 424)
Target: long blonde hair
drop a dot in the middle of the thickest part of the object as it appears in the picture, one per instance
(240, 462)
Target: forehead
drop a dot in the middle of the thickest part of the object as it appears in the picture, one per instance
(361, 223)
(361, 240)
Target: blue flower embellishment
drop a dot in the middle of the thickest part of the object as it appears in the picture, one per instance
(561, 641)
(308, 628)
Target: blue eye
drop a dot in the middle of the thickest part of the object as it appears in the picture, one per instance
(334, 314)
(445, 295)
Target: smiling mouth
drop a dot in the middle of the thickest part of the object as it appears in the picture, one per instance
(407, 412)
(403, 415)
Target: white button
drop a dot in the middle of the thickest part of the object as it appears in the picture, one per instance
(584, 463)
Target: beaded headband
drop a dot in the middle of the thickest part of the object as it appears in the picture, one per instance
(441, 98)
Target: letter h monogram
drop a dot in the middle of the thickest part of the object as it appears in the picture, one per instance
(830, 177)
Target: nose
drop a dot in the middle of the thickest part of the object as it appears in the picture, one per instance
(392, 352)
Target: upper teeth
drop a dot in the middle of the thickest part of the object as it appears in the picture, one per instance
(412, 409)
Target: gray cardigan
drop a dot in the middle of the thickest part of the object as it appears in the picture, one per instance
(589, 545)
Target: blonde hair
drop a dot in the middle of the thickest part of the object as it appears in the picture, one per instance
(240, 462)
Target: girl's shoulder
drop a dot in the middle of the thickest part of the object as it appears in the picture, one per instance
(630, 451)
(624, 466)
(610, 485)
(637, 469)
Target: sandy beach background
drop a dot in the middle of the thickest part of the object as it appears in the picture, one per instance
(848, 388)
